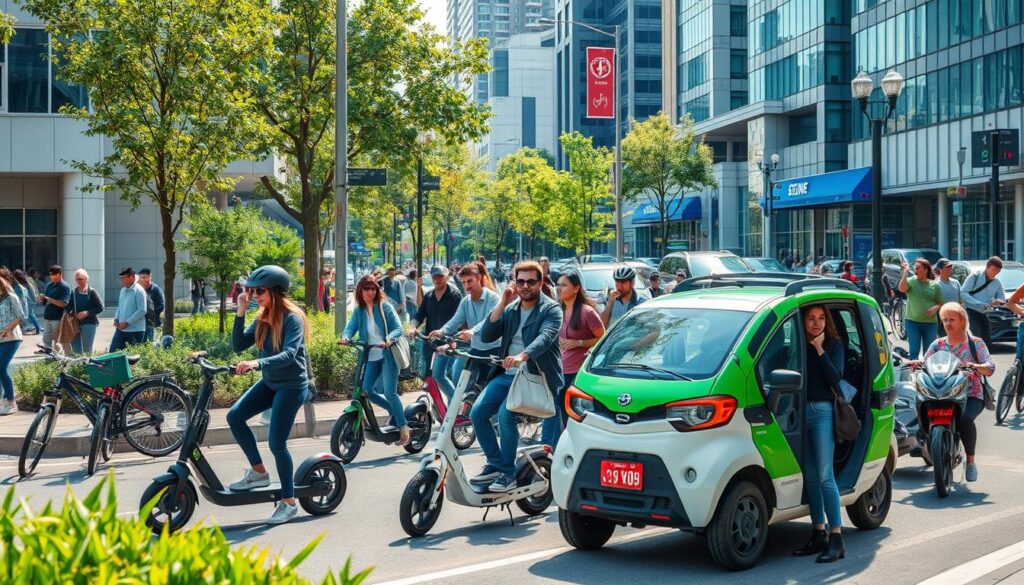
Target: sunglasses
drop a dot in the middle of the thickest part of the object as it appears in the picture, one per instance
(524, 283)
(259, 290)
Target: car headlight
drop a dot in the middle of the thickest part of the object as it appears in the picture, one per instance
(578, 403)
(700, 413)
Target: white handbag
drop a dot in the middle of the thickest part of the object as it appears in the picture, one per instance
(529, 395)
(400, 348)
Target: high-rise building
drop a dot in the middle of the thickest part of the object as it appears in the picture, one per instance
(773, 77)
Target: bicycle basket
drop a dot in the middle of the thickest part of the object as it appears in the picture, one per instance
(111, 370)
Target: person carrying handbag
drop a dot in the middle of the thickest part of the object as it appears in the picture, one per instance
(84, 306)
(11, 315)
(527, 323)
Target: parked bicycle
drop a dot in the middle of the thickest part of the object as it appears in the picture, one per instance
(151, 412)
(896, 312)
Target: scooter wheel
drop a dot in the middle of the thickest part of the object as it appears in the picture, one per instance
(421, 432)
(329, 471)
(415, 514)
(346, 439)
(171, 511)
(537, 503)
(463, 434)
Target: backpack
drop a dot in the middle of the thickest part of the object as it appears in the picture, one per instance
(152, 319)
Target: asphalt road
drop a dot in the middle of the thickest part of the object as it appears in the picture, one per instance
(924, 537)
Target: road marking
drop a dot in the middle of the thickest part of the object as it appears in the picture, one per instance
(524, 558)
(979, 567)
(948, 530)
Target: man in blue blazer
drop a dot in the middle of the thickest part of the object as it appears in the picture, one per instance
(527, 323)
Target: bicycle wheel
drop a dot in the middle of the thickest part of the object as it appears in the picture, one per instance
(154, 417)
(36, 439)
(899, 315)
(1020, 400)
(1006, 394)
(100, 430)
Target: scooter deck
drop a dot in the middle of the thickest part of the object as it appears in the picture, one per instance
(271, 493)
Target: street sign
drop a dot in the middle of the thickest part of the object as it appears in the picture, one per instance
(431, 183)
(1007, 152)
(601, 76)
(363, 177)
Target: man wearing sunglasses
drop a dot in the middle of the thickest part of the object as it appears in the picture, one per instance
(527, 324)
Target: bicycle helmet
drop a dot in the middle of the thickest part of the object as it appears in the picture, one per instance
(269, 277)
(624, 273)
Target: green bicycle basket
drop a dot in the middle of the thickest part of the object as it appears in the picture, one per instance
(110, 370)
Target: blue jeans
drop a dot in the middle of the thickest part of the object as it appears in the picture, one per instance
(283, 405)
(919, 336)
(443, 371)
(819, 476)
(31, 316)
(491, 402)
(197, 305)
(385, 370)
(552, 427)
(122, 339)
(1020, 341)
(149, 335)
(82, 343)
(7, 351)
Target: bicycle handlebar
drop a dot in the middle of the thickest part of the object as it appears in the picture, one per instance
(64, 360)
(208, 368)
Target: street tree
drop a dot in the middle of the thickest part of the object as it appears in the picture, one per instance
(494, 208)
(6, 28)
(222, 246)
(534, 182)
(461, 176)
(399, 75)
(166, 87)
(575, 218)
(661, 163)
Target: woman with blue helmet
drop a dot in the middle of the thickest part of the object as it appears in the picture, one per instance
(280, 331)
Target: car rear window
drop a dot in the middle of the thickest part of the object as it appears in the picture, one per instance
(708, 265)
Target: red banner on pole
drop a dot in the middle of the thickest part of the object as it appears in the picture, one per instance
(600, 82)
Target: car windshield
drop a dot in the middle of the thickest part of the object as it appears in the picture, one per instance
(932, 256)
(1012, 277)
(765, 265)
(688, 343)
(601, 279)
(708, 265)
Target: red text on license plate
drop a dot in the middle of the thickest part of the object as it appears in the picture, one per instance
(622, 475)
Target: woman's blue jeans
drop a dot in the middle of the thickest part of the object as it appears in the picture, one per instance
(387, 398)
(30, 314)
(819, 476)
(7, 351)
(919, 336)
(283, 405)
(82, 343)
(1020, 341)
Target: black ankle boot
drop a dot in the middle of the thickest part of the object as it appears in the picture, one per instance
(817, 544)
(836, 549)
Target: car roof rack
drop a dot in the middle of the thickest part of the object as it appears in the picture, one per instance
(791, 283)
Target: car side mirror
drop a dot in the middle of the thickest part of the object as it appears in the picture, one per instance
(782, 382)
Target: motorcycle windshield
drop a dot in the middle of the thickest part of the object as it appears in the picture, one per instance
(942, 364)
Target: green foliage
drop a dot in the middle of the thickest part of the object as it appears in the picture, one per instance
(662, 162)
(167, 84)
(6, 28)
(85, 541)
(278, 244)
(573, 215)
(536, 186)
(182, 306)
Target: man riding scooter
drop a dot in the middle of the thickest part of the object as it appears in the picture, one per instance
(528, 328)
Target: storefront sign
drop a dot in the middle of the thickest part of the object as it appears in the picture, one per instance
(797, 189)
(600, 82)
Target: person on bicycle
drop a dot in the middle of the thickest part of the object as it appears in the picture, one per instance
(377, 324)
(1013, 303)
(973, 353)
(527, 323)
(478, 303)
(624, 297)
(923, 302)
(982, 291)
(280, 332)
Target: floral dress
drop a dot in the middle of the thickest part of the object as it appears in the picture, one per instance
(963, 351)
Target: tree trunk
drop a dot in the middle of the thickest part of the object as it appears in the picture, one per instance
(664, 235)
(223, 310)
(311, 257)
(170, 266)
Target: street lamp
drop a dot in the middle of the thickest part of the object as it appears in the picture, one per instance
(341, 166)
(423, 139)
(618, 126)
(516, 141)
(862, 86)
(769, 196)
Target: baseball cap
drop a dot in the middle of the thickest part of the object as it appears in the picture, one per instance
(438, 270)
(127, 271)
(942, 263)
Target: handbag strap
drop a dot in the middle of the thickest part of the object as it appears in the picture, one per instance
(974, 354)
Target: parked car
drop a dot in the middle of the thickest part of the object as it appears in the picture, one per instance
(700, 264)
(597, 280)
(590, 258)
(835, 268)
(687, 414)
(893, 258)
(764, 264)
(1001, 321)
(650, 261)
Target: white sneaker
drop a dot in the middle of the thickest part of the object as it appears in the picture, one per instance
(283, 513)
(250, 480)
(7, 407)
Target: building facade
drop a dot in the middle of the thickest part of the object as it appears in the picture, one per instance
(962, 63)
(47, 216)
(521, 100)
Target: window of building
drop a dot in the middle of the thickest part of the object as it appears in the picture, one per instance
(28, 238)
(737, 98)
(738, 21)
(529, 122)
(696, 71)
(698, 108)
(499, 61)
(738, 63)
(739, 152)
(837, 121)
(3, 77)
(30, 82)
(719, 150)
(803, 128)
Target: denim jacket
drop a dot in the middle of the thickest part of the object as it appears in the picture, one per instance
(540, 335)
(382, 313)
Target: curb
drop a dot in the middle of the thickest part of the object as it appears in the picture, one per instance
(77, 442)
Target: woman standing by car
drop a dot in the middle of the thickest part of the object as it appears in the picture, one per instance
(924, 298)
(972, 352)
(581, 329)
(377, 324)
(825, 361)
(280, 333)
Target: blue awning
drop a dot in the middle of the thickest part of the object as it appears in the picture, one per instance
(686, 210)
(839, 187)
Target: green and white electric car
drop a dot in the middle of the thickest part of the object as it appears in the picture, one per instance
(690, 414)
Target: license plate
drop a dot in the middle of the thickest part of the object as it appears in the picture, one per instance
(622, 475)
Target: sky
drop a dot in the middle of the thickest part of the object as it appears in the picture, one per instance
(435, 10)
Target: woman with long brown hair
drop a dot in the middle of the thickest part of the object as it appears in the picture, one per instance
(280, 331)
(376, 323)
